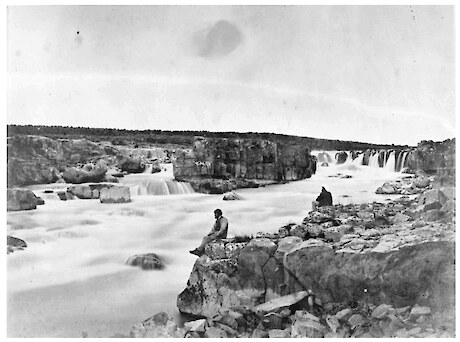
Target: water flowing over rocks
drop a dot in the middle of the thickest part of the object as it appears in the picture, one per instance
(369, 270)
(218, 165)
(22, 199)
(149, 261)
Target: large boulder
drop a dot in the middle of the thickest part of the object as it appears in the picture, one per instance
(241, 279)
(115, 194)
(149, 261)
(432, 199)
(86, 191)
(132, 165)
(77, 175)
(21, 199)
(387, 189)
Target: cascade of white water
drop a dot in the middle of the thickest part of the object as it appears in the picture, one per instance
(391, 162)
(374, 160)
(404, 160)
(148, 168)
(359, 159)
(349, 157)
(398, 161)
(157, 187)
(161, 183)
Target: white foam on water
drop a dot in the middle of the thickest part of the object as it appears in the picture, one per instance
(72, 277)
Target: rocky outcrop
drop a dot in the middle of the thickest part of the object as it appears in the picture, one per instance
(375, 253)
(433, 157)
(411, 185)
(38, 160)
(77, 175)
(22, 199)
(242, 160)
(388, 188)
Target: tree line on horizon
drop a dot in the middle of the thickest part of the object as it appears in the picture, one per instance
(156, 136)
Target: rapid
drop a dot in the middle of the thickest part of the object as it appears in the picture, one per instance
(72, 279)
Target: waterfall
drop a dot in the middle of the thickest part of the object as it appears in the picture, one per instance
(398, 161)
(157, 187)
(374, 160)
(404, 160)
(359, 159)
(160, 183)
(391, 162)
(148, 168)
(349, 158)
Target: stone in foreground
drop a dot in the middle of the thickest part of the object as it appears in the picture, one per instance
(21, 199)
(148, 261)
(115, 194)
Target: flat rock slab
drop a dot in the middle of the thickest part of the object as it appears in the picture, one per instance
(281, 302)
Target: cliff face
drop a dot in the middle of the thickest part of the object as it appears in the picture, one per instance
(251, 159)
(36, 159)
(400, 253)
(433, 157)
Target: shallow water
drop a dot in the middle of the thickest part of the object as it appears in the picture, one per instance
(72, 278)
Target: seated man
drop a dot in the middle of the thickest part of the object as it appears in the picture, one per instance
(324, 199)
(218, 231)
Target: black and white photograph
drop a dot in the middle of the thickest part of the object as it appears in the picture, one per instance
(230, 171)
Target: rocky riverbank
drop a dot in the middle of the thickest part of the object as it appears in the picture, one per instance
(369, 270)
(41, 160)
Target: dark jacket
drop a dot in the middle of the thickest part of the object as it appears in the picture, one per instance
(324, 198)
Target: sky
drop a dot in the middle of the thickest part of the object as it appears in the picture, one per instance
(377, 74)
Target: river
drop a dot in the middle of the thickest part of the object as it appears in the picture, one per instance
(72, 278)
